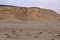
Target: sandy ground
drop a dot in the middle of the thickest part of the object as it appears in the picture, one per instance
(29, 30)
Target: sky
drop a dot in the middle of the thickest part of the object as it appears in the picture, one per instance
(47, 4)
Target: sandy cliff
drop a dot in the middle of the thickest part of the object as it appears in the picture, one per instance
(27, 13)
(16, 23)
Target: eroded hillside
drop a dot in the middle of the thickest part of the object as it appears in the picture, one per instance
(27, 13)
(28, 23)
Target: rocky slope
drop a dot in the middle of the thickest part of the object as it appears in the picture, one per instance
(8, 12)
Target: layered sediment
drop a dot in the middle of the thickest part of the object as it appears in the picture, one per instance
(27, 13)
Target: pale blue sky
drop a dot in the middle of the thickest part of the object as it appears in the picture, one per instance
(49, 4)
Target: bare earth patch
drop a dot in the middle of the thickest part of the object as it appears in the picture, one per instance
(30, 31)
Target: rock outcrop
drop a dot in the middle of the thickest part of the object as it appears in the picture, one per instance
(27, 13)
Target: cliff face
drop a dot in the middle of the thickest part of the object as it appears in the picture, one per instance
(27, 14)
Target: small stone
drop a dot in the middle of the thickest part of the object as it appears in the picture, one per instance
(52, 39)
(8, 36)
(40, 32)
(17, 35)
(13, 32)
(35, 36)
(20, 29)
(58, 35)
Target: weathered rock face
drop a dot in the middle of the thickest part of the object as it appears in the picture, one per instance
(27, 14)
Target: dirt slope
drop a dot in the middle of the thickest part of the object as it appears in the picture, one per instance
(28, 23)
(26, 13)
